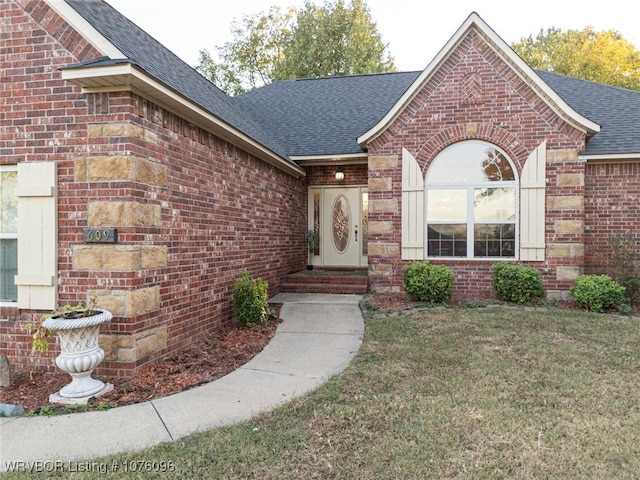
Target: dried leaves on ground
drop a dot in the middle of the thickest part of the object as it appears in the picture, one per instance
(208, 359)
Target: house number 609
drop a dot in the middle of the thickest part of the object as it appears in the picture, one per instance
(100, 235)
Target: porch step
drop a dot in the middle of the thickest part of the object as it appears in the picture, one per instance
(326, 281)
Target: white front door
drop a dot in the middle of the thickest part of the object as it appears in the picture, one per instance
(341, 215)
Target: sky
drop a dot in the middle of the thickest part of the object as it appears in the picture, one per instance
(415, 30)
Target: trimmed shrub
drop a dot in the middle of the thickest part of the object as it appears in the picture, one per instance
(516, 283)
(597, 293)
(250, 299)
(428, 283)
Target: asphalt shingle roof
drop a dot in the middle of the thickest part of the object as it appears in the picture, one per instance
(616, 110)
(326, 116)
(149, 54)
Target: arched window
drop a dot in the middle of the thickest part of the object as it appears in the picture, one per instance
(471, 194)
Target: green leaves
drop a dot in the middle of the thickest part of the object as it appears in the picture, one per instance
(250, 299)
(604, 57)
(597, 293)
(428, 283)
(516, 283)
(316, 41)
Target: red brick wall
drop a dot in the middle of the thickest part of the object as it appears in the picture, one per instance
(326, 175)
(612, 207)
(221, 209)
(505, 112)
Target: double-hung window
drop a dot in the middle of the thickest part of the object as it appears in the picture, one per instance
(8, 233)
(471, 203)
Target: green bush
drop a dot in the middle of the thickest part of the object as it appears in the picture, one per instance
(516, 283)
(428, 283)
(250, 299)
(597, 293)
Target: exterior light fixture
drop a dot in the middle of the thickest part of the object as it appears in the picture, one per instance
(340, 175)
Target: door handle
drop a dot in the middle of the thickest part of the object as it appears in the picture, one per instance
(356, 233)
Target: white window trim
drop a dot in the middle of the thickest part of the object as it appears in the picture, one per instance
(470, 222)
(9, 168)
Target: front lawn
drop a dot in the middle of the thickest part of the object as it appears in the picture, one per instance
(483, 393)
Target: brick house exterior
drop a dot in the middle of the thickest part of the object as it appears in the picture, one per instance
(107, 129)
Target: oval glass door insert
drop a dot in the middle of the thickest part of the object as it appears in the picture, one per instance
(341, 223)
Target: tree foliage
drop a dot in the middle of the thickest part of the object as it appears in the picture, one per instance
(335, 38)
(603, 57)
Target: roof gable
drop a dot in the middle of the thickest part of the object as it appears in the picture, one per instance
(505, 52)
(119, 39)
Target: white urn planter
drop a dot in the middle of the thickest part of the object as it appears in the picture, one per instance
(80, 354)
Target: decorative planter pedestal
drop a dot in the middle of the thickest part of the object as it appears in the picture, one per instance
(80, 355)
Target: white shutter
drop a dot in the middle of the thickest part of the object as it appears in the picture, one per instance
(532, 206)
(37, 236)
(412, 208)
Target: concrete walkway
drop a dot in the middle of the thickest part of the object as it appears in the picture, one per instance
(318, 337)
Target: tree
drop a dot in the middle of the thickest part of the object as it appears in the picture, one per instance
(315, 41)
(604, 57)
(248, 60)
(333, 40)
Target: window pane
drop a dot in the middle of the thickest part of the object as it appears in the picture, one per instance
(447, 205)
(494, 240)
(8, 269)
(494, 204)
(447, 241)
(8, 202)
(365, 223)
(470, 162)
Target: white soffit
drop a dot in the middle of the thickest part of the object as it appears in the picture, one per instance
(511, 58)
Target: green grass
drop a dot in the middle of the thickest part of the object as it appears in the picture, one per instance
(485, 393)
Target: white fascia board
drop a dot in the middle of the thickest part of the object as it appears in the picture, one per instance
(611, 158)
(85, 29)
(345, 159)
(504, 51)
(127, 77)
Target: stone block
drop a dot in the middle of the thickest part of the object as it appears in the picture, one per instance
(113, 129)
(142, 301)
(109, 343)
(132, 130)
(472, 128)
(126, 341)
(123, 261)
(106, 214)
(571, 179)
(112, 301)
(566, 250)
(380, 184)
(150, 136)
(567, 273)
(141, 215)
(80, 170)
(126, 354)
(86, 258)
(118, 167)
(383, 162)
(569, 227)
(146, 343)
(94, 130)
(376, 248)
(384, 206)
(155, 256)
(561, 156)
(380, 227)
(6, 375)
(571, 202)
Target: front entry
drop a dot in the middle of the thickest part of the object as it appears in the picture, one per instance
(339, 215)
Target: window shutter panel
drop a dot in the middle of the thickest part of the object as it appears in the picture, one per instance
(412, 208)
(532, 206)
(37, 236)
